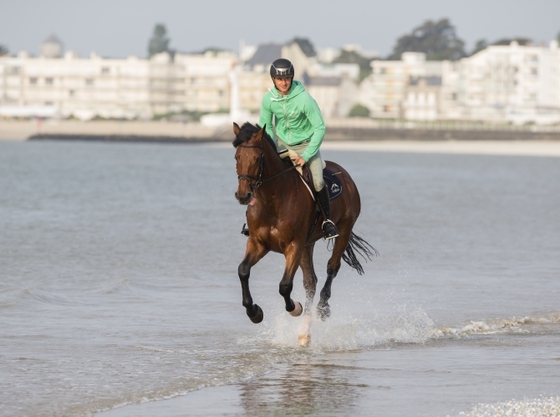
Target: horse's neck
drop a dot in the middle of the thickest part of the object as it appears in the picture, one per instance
(276, 174)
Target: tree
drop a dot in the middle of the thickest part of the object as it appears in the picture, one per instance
(3, 50)
(479, 46)
(352, 57)
(159, 42)
(437, 40)
(520, 41)
(359, 110)
(306, 46)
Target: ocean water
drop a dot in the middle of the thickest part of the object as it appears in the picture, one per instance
(119, 293)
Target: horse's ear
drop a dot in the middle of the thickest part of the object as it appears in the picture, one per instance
(261, 132)
(236, 129)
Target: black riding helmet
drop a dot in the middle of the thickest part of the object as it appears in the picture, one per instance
(282, 68)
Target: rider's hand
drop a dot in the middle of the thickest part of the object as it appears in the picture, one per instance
(298, 161)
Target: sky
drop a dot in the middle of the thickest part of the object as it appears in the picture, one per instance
(120, 28)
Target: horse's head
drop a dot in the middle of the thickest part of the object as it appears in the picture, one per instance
(249, 156)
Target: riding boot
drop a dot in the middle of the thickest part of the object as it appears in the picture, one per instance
(329, 228)
(245, 230)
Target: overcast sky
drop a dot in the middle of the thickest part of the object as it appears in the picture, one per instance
(119, 28)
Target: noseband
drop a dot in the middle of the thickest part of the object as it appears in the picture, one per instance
(258, 181)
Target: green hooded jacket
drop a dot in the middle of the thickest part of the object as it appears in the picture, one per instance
(297, 116)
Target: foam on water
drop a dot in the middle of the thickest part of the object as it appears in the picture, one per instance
(510, 325)
(537, 407)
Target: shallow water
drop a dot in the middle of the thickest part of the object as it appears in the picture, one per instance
(119, 286)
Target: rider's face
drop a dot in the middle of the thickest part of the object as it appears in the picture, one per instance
(282, 85)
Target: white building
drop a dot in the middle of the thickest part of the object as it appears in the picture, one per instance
(383, 92)
(128, 88)
(514, 83)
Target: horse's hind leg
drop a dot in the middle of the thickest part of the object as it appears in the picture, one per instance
(253, 254)
(333, 265)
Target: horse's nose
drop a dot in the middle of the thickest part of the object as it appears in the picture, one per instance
(243, 199)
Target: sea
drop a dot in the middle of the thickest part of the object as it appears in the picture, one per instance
(119, 293)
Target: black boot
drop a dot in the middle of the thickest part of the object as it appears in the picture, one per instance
(329, 229)
(245, 230)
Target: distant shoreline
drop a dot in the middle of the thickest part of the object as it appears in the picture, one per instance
(337, 130)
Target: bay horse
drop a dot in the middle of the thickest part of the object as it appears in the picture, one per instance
(282, 217)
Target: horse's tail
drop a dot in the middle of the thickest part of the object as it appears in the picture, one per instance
(358, 245)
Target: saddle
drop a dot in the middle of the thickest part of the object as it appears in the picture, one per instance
(332, 182)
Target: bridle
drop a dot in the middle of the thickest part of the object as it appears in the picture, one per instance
(256, 182)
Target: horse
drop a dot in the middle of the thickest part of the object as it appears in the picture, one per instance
(282, 217)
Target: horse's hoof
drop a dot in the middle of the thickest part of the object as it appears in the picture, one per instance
(304, 340)
(296, 312)
(324, 311)
(257, 315)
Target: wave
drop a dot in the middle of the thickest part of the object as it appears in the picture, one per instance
(536, 407)
(513, 325)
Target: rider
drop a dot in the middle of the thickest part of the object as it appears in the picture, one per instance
(299, 126)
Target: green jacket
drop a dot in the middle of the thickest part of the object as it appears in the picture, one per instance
(298, 118)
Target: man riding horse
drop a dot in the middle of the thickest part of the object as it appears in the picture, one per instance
(289, 111)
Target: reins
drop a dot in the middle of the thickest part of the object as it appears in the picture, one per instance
(258, 180)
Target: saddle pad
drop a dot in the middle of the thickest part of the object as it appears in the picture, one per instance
(332, 182)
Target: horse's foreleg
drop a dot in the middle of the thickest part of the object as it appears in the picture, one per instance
(309, 277)
(253, 254)
(293, 257)
(310, 285)
(323, 307)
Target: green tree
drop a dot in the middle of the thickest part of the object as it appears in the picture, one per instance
(520, 41)
(353, 57)
(306, 46)
(359, 110)
(479, 46)
(438, 40)
(159, 42)
(3, 50)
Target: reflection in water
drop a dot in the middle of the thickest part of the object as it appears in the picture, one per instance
(306, 389)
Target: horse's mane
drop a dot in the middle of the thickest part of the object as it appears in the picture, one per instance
(246, 132)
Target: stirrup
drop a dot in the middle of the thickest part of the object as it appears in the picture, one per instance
(329, 229)
(245, 230)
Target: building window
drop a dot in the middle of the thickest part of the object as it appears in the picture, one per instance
(105, 70)
(89, 81)
(33, 80)
(71, 93)
(49, 81)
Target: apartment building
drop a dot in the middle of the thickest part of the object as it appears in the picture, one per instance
(383, 92)
(72, 86)
(505, 83)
